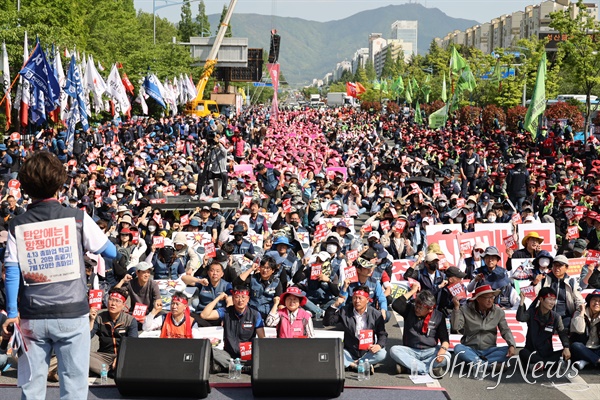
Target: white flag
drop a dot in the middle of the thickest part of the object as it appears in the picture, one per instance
(116, 89)
(142, 100)
(93, 82)
(64, 97)
(6, 85)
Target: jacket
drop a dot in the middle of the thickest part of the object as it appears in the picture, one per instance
(584, 330)
(540, 329)
(412, 335)
(345, 317)
(480, 332)
(298, 329)
(572, 296)
(110, 333)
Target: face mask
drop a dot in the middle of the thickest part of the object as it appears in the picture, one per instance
(442, 204)
(119, 196)
(151, 228)
(459, 219)
(492, 218)
(331, 248)
(544, 262)
(294, 224)
(238, 236)
(432, 266)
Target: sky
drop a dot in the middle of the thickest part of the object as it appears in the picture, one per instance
(328, 10)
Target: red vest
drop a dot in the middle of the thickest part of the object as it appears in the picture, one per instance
(287, 330)
(170, 330)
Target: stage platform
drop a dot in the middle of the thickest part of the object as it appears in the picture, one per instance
(223, 391)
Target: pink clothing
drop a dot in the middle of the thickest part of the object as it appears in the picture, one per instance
(287, 330)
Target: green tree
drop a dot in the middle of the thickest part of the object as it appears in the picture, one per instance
(370, 70)
(187, 27)
(581, 50)
(388, 65)
(346, 76)
(223, 13)
(360, 75)
(202, 20)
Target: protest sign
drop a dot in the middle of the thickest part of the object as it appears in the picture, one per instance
(158, 241)
(95, 298)
(545, 230)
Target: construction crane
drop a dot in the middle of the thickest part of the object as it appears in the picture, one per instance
(200, 106)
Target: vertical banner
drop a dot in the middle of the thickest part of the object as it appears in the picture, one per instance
(274, 73)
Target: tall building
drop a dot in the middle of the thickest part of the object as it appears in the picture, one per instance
(407, 31)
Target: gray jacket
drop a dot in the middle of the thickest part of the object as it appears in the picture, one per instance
(480, 332)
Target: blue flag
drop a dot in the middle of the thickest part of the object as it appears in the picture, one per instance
(152, 90)
(41, 77)
(37, 107)
(74, 89)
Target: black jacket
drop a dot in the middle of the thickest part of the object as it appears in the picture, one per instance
(345, 317)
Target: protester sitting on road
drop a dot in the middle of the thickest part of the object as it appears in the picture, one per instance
(111, 326)
(454, 277)
(469, 264)
(209, 289)
(241, 324)
(497, 277)
(568, 297)
(143, 289)
(585, 331)
(177, 323)
(321, 289)
(364, 270)
(425, 338)
(264, 284)
(479, 321)
(360, 323)
(531, 247)
(542, 322)
(291, 321)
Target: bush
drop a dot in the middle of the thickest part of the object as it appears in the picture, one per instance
(393, 108)
(370, 106)
(512, 117)
(562, 110)
(432, 107)
(490, 112)
(469, 115)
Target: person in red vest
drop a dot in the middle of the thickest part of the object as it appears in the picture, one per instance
(238, 146)
(291, 321)
(176, 324)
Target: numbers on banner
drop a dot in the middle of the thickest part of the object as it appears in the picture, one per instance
(246, 351)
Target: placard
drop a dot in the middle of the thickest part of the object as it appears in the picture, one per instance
(510, 243)
(385, 225)
(95, 298)
(158, 241)
(246, 351)
(460, 202)
(573, 232)
(365, 339)
(351, 256)
(315, 271)
(528, 291)
(400, 225)
(139, 312)
(48, 251)
(470, 218)
(350, 273)
(287, 205)
(209, 249)
(437, 192)
(458, 290)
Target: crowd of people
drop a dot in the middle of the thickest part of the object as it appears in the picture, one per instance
(293, 254)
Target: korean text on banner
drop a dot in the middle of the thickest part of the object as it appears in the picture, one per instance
(48, 251)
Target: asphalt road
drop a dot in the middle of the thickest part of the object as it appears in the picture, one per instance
(586, 386)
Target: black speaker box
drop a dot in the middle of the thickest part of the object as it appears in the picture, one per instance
(163, 367)
(297, 367)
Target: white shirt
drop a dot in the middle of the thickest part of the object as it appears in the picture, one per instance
(361, 321)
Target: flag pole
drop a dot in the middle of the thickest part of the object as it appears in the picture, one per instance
(18, 75)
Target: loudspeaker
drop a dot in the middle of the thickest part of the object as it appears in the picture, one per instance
(297, 367)
(163, 367)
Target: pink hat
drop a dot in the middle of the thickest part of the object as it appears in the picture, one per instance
(294, 291)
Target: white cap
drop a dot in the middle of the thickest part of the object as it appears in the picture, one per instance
(374, 234)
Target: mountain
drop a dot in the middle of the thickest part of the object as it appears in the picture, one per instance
(311, 49)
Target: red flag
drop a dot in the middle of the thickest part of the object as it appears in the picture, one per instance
(351, 89)
(127, 83)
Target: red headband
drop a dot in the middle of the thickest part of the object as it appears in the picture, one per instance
(361, 293)
(244, 292)
(549, 295)
(180, 300)
(118, 296)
